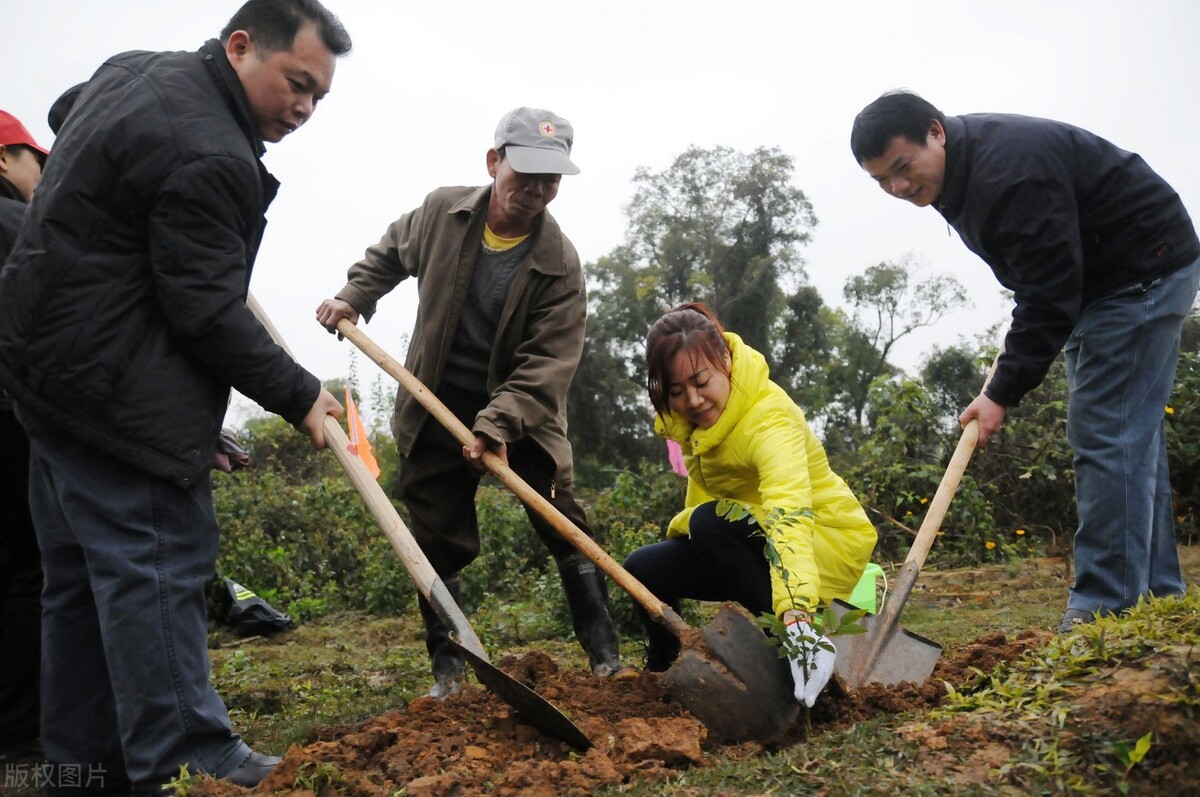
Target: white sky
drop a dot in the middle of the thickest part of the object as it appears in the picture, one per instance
(415, 104)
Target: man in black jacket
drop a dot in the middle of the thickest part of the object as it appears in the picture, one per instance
(123, 325)
(21, 162)
(1103, 262)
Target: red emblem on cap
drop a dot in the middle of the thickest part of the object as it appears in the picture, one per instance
(547, 129)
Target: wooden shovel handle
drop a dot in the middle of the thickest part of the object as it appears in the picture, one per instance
(949, 484)
(944, 495)
(906, 579)
(415, 562)
(561, 523)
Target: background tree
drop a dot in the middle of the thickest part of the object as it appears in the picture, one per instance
(888, 303)
(718, 226)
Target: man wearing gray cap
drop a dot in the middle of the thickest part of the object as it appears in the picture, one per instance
(498, 337)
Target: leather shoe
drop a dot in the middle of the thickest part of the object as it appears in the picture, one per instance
(253, 770)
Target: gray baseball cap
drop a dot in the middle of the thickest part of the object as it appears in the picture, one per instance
(536, 141)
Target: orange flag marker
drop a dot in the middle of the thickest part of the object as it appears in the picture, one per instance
(360, 444)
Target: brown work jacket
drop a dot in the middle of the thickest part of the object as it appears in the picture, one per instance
(540, 335)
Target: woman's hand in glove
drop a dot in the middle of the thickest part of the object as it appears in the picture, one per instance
(811, 658)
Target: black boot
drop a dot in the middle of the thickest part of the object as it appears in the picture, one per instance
(587, 598)
(662, 646)
(447, 664)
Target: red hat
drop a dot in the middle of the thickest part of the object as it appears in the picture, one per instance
(12, 132)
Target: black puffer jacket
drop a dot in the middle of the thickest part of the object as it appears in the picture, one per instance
(1063, 217)
(12, 212)
(122, 306)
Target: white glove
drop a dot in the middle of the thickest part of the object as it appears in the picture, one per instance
(810, 679)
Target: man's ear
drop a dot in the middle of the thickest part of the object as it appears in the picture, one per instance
(493, 161)
(937, 131)
(238, 46)
(4, 157)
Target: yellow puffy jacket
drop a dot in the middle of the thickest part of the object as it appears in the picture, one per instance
(762, 455)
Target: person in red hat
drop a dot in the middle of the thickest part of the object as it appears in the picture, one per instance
(21, 160)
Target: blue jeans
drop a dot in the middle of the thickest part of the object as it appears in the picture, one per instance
(1121, 360)
(125, 668)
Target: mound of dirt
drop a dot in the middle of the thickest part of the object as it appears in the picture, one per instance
(473, 744)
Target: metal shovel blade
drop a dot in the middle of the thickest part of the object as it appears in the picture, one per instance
(734, 681)
(902, 655)
(533, 707)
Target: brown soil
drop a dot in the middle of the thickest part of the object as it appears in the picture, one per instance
(472, 743)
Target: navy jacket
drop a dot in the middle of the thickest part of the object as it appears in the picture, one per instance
(122, 307)
(1063, 218)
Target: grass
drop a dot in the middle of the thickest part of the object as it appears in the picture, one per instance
(348, 667)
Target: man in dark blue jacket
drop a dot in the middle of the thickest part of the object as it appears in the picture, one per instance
(123, 325)
(1103, 262)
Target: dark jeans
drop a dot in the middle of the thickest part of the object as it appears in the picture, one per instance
(438, 486)
(20, 591)
(719, 561)
(125, 667)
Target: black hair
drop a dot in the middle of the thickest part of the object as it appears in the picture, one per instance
(14, 148)
(692, 327)
(897, 113)
(273, 24)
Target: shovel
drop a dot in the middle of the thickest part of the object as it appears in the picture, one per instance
(727, 675)
(532, 706)
(888, 653)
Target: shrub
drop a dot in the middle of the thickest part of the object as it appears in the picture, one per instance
(1183, 445)
(296, 532)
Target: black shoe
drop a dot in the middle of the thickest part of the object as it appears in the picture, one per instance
(253, 770)
(1075, 617)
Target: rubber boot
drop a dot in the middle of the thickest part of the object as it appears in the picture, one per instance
(446, 663)
(587, 598)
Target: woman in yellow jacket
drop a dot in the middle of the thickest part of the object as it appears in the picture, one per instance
(743, 440)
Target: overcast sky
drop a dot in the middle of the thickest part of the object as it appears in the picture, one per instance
(415, 105)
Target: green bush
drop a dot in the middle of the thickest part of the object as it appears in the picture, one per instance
(897, 472)
(1015, 499)
(294, 530)
(1183, 446)
(511, 555)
